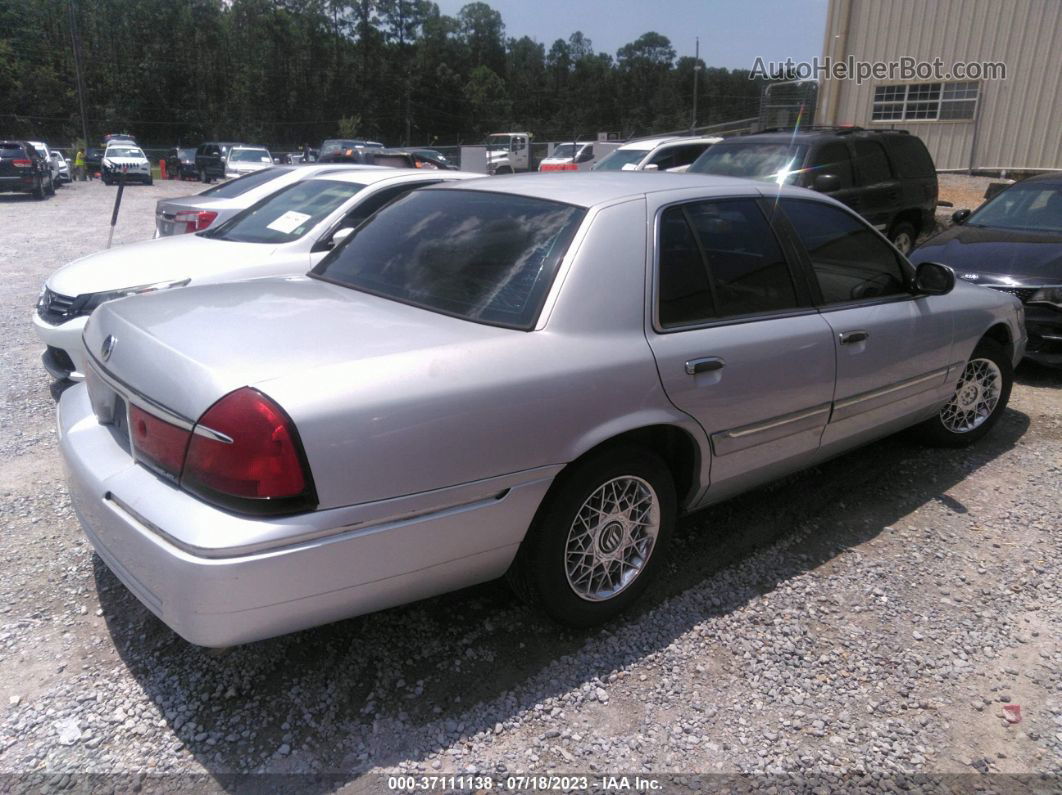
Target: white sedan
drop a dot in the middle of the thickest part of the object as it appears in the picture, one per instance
(285, 233)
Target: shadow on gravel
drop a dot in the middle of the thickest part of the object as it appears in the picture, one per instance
(1029, 373)
(404, 683)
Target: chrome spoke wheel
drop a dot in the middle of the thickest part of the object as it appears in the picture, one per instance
(611, 538)
(975, 397)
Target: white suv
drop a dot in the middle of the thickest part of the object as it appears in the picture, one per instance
(125, 158)
(656, 154)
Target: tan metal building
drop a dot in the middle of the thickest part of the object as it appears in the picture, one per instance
(990, 124)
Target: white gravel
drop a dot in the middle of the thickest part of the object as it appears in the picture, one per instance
(871, 618)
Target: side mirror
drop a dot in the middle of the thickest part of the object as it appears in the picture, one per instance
(960, 216)
(932, 278)
(340, 235)
(651, 167)
(826, 183)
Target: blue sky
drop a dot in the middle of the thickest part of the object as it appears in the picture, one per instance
(733, 32)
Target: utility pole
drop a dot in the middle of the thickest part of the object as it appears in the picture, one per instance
(696, 74)
(75, 41)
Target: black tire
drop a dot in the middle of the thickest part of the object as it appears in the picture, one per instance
(903, 236)
(540, 572)
(203, 176)
(940, 430)
(150, 180)
(38, 190)
(51, 185)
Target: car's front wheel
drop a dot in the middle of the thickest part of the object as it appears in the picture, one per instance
(980, 398)
(599, 537)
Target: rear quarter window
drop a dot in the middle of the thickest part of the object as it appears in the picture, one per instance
(910, 157)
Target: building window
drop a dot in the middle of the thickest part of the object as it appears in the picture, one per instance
(925, 102)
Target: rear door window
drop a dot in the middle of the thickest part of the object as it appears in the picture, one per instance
(872, 163)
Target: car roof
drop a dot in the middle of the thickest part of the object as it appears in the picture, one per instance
(367, 175)
(590, 188)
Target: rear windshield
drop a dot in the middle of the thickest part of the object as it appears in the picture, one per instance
(620, 158)
(240, 185)
(250, 156)
(909, 156)
(485, 257)
(11, 150)
(777, 162)
(189, 154)
(288, 214)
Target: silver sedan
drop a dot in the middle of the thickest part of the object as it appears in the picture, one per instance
(531, 376)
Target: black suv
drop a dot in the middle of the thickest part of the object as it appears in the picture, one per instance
(210, 159)
(180, 163)
(887, 176)
(23, 169)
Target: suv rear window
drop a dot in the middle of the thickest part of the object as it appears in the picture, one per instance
(481, 256)
(11, 150)
(910, 156)
(240, 185)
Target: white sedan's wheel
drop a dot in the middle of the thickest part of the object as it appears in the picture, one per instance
(975, 397)
(612, 538)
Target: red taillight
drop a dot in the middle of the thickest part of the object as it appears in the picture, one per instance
(22, 163)
(559, 167)
(246, 448)
(195, 221)
(158, 443)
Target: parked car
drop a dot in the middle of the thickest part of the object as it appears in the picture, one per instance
(180, 163)
(887, 176)
(575, 156)
(93, 160)
(23, 170)
(242, 160)
(450, 395)
(64, 166)
(656, 154)
(186, 214)
(116, 138)
(416, 158)
(1013, 243)
(333, 148)
(53, 166)
(210, 159)
(285, 232)
(125, 161)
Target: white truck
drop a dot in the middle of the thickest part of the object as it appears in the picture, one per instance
(508, 153)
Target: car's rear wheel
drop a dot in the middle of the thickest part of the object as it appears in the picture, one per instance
(51, 185)
(203, 176)
(903, 237)
(598, 539)
(980, 398)
(38, 189)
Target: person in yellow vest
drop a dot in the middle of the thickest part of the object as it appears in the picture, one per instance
(79, 165)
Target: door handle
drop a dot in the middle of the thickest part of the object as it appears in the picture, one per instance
(849, 337)
(704, 365)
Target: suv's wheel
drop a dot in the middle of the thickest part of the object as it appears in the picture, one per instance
(203, 176)
(599, 537)
(38, 190)
(51, 185)
(979, 400)
(903, 237)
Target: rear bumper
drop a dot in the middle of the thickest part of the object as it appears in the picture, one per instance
(349, 561)
(66, 338)
(20, 183)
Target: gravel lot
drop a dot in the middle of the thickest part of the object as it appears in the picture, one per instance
(877, 615)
